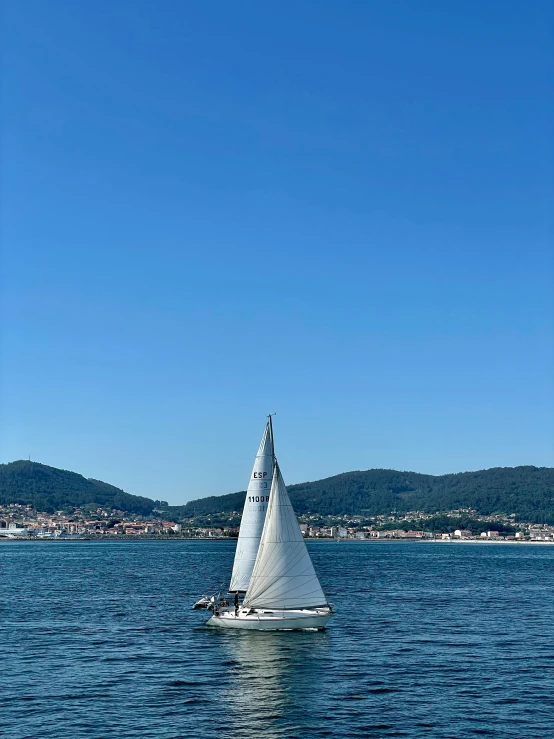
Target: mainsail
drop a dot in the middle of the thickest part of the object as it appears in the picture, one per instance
(283, 576)
(253, 515)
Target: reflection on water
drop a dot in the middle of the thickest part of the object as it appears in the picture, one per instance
(270, 674)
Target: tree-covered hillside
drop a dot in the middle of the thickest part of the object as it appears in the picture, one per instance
(207, 506)
(526, 491)
(50, 489)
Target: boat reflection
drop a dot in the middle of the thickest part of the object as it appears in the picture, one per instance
(272, 674)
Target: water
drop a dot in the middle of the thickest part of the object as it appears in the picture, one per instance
(98, 639)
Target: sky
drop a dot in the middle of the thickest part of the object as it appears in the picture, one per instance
(338, 212)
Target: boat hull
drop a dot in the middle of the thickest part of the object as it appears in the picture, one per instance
(276, 621)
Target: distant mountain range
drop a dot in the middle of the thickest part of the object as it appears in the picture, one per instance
(50, 489)
(526, 491)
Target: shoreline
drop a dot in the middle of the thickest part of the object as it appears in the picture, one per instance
(373, 540)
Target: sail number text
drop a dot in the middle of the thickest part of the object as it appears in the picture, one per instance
(258, 498)
(260, 485)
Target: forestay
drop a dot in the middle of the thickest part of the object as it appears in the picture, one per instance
(253, 515)
(283, 576)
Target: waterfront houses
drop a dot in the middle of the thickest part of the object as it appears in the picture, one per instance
(23, 522)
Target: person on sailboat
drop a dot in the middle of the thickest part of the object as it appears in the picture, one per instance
(237, 603)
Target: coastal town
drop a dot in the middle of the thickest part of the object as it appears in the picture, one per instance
(23, 522)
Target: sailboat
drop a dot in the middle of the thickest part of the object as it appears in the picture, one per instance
(272, 565)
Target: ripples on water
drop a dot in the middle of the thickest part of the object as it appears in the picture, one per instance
(430, 640)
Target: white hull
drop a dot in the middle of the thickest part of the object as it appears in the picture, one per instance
(272, 621)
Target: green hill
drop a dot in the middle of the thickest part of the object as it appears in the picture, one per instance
(50, 489)
(526, 491)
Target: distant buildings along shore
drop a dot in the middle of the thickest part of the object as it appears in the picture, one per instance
(19, 521)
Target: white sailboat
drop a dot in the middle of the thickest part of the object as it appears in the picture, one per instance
(282, 588)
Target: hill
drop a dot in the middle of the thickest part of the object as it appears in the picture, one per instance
(50, 489)
(526, 491)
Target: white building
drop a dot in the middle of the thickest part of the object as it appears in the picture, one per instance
(12, 530)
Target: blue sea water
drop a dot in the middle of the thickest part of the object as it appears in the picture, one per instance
(98, 639)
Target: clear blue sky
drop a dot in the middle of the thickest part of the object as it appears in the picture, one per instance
(338, 211)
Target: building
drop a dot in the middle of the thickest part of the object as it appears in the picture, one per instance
(11, 529)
